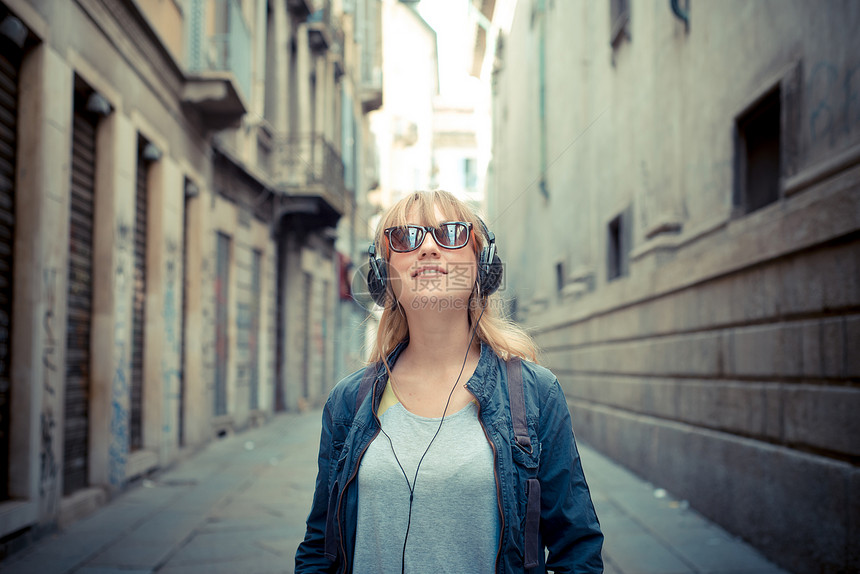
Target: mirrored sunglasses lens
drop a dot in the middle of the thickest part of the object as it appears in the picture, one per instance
(451, 235)
(405, 238)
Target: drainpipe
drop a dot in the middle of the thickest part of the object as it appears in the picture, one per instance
(681, 13)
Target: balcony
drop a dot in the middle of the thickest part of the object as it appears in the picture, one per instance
(309, 167)
(219, 61)
(300, 8)
(370, 89)
(324, 34)
(319, 30)
(370, 80)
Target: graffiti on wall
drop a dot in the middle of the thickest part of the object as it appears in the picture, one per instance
(120, 385)
(207, 332)
(47, 458)
(272, 319)
(170, 368)
(243, 327)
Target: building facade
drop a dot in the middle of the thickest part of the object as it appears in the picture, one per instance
(403, 126)
(177, 209)
(457, 165)
(676, 195)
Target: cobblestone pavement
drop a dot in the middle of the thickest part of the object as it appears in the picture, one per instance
(239, 506)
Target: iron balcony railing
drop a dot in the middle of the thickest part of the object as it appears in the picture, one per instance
(310, 164)
(219, 40)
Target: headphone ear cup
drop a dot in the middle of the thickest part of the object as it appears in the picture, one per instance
(377, 280)
(489, 274)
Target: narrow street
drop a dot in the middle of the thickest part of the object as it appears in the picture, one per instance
(197, 198)
(239, 506)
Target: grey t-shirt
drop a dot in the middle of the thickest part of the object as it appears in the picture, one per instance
(455, 513)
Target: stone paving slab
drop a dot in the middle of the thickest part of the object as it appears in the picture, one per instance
(130, 554)
(260, 564)
(239, 506)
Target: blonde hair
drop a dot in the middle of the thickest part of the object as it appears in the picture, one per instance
(504, 336)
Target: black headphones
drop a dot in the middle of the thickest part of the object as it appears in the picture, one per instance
(489, 270)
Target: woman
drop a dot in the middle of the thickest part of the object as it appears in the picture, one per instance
(427, 463)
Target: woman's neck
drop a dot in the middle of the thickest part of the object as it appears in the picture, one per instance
(438, 342)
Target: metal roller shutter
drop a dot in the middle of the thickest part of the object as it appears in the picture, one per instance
(9, 67)
(139, 304)
(222, 300)
(183, 336)
(306, 334)
(242, 257)
(278, 319)
(76, 422)
(254, 330)
(327, 320)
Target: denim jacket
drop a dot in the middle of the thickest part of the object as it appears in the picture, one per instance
(568, 527)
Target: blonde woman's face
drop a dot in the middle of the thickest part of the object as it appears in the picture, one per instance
(433, 277)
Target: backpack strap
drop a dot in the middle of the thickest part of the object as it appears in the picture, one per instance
(518, 403)
(516, 394)
(365, 385)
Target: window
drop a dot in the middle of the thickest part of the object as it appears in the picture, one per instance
(264, 148)
(470, 174)
(618, 246)
(757, 154)
(559, 276)
(270, 97)
(619, 17)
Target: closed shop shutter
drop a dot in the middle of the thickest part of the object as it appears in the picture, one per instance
(306, 334)
(183, 336)
(76, 422)
(254, 331)
(325, 336)
(222, 300)
(139, 304)
(278, 320)
(242, 282)
(9, 67)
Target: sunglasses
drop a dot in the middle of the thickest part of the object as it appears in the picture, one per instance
(450, 235)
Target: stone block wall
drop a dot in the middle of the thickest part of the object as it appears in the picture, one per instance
(737, 392)
(709, 344)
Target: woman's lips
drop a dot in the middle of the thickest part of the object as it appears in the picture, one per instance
(429, 270)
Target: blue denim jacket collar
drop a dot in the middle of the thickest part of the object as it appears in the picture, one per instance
(482, 383)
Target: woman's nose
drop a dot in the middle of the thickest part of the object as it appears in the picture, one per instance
(429, 246)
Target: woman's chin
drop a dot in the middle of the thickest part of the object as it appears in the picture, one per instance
(434, 300)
